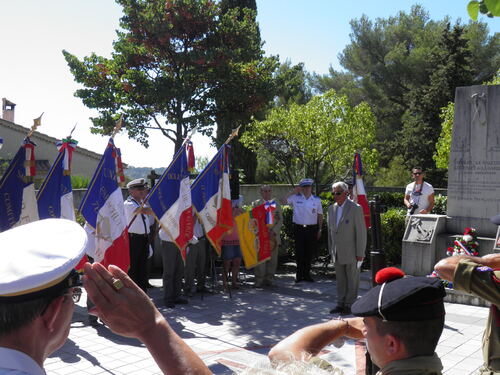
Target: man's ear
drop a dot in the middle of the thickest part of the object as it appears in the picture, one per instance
(394, 345)
(51, 314)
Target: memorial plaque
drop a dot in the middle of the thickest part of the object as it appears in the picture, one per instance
(496, 246)
(474, 166)
(421, 229)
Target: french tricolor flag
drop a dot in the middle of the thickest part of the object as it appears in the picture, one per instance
(102, 208)
(55, 196)
(17, 192)
(359, 188)
(170, 200)
(211, 197)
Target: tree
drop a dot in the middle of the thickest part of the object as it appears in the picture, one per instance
(168, 62)
(246, 86)
(291, 84)
(490, 8)
(451, 67)
(317, 139)
(389, 61)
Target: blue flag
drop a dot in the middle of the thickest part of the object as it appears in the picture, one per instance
(55, 197)
(170, 200)
(17, 192)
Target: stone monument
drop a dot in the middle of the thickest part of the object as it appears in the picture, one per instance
(474, 167)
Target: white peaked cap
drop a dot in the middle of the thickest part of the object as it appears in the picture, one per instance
(39, 255)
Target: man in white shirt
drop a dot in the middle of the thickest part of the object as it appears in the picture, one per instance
(419, 195)
(138, 232)
(307, 223)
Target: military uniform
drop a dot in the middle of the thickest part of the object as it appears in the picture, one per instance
(264, 272)
(424, 365)
(484, 282)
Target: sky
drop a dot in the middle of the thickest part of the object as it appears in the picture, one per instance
(34, 74)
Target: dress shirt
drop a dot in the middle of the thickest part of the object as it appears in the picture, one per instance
(340, 210)
(14, 362)
(141, 224)
(305, 210)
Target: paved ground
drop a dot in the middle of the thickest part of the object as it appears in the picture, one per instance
(232, 333)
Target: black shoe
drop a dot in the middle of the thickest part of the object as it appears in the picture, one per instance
(346, 311)
(309, 279)
(298, 280)
(169, 305)
(337, 309)
(181, 301)
(202, 289)
(93, 321)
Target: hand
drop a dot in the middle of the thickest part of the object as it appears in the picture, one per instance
(423, 212)
(359, 259)
(129, 311)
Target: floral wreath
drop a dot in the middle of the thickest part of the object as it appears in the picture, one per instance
(465, 245)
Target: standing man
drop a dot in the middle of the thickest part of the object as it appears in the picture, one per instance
(347, 244)
(264, 272)
(173, 271)
(419, 195)
(195, 261)
(138, 232)
(307, 223)
(480, 277)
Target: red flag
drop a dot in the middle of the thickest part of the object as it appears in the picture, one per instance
(359, 188)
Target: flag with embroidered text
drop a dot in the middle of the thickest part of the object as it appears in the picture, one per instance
(102, 209)
(17, 191)
(211, 197)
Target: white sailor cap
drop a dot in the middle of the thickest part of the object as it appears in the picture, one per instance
(39, 259)
(306, 182)
(138, 182)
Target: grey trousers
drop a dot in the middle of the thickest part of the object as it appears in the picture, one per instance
(173, 270)
(264, 272)
(195, 265)
(347, 283)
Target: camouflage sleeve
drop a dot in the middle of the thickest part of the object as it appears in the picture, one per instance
(479, 280)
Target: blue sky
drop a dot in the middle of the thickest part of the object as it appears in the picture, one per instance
(34, 75)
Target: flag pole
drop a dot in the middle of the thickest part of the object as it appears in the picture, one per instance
(233, 134)
(36, 123)
(187, 139)
(118, 126)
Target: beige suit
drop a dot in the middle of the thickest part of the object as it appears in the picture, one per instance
(346, 241)
(264, 272)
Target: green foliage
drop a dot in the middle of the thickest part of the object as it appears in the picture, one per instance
(79, 182)
(440, 202)
(317, 139)
(170, 67)
(490, 8)
(442, 154)
(406, 67)
(393, 228)
(292, 86)
(396, 174)
(450, 67)
(388, 199)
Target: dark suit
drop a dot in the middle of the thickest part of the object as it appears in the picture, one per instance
(346, 241)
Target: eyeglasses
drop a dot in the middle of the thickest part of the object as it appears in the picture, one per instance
(75, 294)
(417, 173)
(338, 192)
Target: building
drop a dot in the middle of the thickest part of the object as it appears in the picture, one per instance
(84, 161)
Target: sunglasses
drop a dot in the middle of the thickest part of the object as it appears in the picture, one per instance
(75, 293)
(417, 173)
(338, 192)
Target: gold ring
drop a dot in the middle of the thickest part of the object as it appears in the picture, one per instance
(117, 284)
